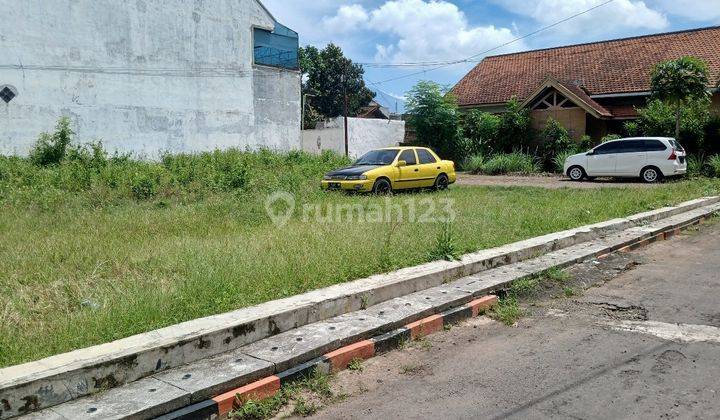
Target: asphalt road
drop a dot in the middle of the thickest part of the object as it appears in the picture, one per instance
(614, 350)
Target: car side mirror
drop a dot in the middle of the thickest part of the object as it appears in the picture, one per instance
(590, 153)
(401, 163)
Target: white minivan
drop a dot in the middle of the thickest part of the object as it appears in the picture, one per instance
(650, 158)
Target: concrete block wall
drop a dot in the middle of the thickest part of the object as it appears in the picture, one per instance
(144, 76)
(364, 134)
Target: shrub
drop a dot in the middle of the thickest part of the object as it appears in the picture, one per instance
(559, 160)
(584, 144)
(515, 162)
(481, 132)
(713, 164)
(555, 140)
(696, 165)
(50, 148)
(515, 128)
(474, 164)
(610, 137)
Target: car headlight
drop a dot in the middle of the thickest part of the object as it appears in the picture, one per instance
(327, 177)
(356, 177)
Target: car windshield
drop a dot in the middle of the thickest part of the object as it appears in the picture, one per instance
(378, 157)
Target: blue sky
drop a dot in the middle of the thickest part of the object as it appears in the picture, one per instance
(411, 31)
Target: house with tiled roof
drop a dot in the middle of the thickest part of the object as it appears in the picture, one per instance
(590, 88)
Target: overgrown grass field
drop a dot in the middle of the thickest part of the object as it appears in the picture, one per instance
(135, 246)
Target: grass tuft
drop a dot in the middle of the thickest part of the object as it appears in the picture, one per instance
(445, 244)
(356, 365)
(507, 311)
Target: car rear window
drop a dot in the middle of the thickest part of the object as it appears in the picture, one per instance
(654, 146)
(676, 145)
(425, 157)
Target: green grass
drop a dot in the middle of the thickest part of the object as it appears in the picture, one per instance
(507, 310)
(316, 385)
(356, 365)
(88, 265)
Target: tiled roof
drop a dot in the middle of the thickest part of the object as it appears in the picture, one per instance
(606, 67)
(622, 111)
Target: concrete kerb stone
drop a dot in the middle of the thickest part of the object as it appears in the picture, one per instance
(68, 376)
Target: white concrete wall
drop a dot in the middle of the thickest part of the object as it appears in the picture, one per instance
(144, 76)
(363, 135)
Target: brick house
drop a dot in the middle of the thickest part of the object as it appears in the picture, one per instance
(590, 88)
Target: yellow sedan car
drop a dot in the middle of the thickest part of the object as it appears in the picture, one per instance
(394, 168)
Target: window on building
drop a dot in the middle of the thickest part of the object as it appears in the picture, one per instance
(277, 48)
(7, 93)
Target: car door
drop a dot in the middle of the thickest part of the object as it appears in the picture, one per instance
(602, 160)
(409, 174)
(631, 158)
(429, 167)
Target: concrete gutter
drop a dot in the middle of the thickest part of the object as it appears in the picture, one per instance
(57, 379)
(208, 388)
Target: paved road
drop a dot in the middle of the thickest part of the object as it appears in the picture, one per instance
(550, 181)
(613, 351)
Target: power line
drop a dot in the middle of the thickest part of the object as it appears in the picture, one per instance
(439, 64)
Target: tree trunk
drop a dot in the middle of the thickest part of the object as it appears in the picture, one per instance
(677, 122)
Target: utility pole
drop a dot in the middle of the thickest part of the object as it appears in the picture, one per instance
(345, 113)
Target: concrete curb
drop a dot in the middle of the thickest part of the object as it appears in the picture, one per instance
(65, 377)
(331, 362)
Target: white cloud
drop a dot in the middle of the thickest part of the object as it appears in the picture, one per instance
(420, 30)
(347, 19)
(697, 10)
(610, 19)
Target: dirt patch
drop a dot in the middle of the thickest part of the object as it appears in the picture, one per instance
(547, 181)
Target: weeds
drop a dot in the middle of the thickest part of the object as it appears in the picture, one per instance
(356, 365)
(557, 275)
(423, 343)
(317, 385)
(569, 291)
(713, 164)
(507, 311)
(445, 246)
(410, 369)
(524, 286)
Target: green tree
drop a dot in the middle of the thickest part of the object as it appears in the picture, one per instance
(480, 130)
(327, 75)
(516, 131)
(678, 82)
(434, 117)
(659, 119)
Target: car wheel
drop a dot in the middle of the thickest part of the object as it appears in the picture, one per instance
(650, 175)
(382, 187)
(441, 182)
(576, 173)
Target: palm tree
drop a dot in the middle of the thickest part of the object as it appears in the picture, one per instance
(679, 81)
